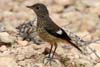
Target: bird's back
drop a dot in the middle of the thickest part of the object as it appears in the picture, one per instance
(47, 25)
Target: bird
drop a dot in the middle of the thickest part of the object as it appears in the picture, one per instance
(48, 30)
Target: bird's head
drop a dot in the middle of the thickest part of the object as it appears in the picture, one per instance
(39, 9)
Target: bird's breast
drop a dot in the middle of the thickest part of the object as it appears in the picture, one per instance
(45, 35)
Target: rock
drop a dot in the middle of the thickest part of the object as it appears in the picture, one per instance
(56, 8)
(91, 3)
(84, 35)
(22, 43)
(2, 28)
(96, 47)
(47, 2)
(65, 2)
(6, 38)
(3, 48)
(97, 65)
(7, 61)
(9, 27)
(59, 21)
(80, 6)
(82, 62)
(27, 63)
(25, 52)
(95, 10)
(20, 57)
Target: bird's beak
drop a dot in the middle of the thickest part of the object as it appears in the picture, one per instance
(29, 7)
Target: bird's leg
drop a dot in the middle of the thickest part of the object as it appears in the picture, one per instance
(55, 44)
(49, 56)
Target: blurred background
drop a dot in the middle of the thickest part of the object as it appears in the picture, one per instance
(81, 17)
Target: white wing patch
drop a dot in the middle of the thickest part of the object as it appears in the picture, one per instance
(59, 32)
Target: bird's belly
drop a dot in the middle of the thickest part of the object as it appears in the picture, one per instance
(46, 36)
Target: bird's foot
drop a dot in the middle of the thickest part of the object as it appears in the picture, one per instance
(49, 60)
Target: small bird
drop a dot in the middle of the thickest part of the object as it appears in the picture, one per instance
(48, 30)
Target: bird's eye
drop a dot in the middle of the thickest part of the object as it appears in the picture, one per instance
(37, 8)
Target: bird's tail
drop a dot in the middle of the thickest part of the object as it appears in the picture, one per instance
(74, 45)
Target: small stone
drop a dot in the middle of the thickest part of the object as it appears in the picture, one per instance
(46, 1)
(6, 38)
(22, 43)
(20, 57)
(2, 28)
(84, 63)
(7, 61)
(80, 6)
(96, 47)
(59, 21)
(91, 3)
(84, 35)
(95, 10)
(56, 8)
(65, 2)
(98, 65)
(3, 48)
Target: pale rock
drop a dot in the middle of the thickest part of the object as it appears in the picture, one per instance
(27, 63)
(80, 6)
(65, 2)
(46, 2)
(6, 38)
(7, 61)
(9, 27)
(25, 52)
(20, 57)
(59, 21)
(96, 47)
(97, 65)
(56, 8)
(95, 10)
(3, 48)
(72, 15)
(91, 3)
(22, 43)
(73, 19)
(60, 50)
(20, 1)
(89, 21)
(2, 28)
(83, 62)
(29, 52)
(84, 35)
(29, 2)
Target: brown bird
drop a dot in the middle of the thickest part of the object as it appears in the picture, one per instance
(48, 30)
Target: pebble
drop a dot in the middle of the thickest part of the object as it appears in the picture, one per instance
(22, 43)
(56, 8)
(97, 65)
(20, 57)
(91, 3)
(7, 61)
(6, 38)
(95, 10)
(3, 48)
(2, 28)
(65, 2)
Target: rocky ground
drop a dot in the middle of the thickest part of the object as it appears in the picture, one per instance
(19, 49)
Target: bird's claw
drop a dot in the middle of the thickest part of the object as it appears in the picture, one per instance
(49, 60)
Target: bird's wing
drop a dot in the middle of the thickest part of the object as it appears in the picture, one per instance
(59, 33)
(55, 30)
